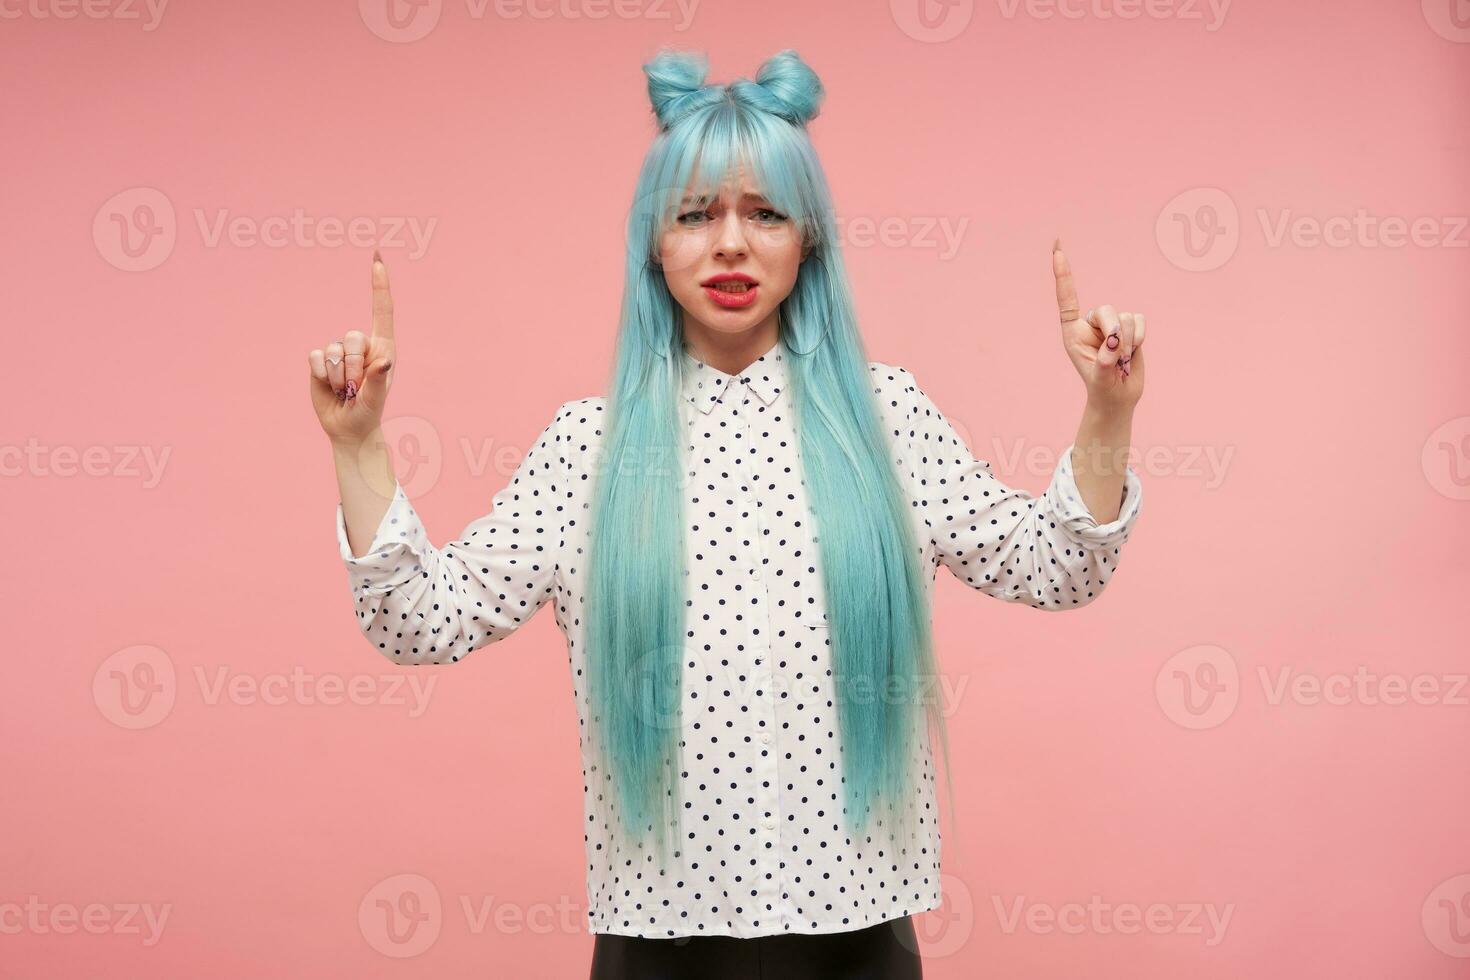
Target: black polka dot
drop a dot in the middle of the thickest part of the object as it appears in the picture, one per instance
(762, 847)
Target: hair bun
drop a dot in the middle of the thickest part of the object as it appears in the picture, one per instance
(792, 84)
(784, 86)
(674, 78)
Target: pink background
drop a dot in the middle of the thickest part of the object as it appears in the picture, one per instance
(1328, 383)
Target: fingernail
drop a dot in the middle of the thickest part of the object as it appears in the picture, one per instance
(377, 258)
(1112, 341)
(351, 389)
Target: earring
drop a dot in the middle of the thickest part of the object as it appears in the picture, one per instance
(785, 330)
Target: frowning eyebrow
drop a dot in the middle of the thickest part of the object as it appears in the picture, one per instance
(694, 199)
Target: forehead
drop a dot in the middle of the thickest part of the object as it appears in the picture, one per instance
(726, 194)
(737, 184)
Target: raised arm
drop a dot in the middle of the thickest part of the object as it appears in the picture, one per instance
(1051, 552)
(417, 603)
(1047, 552)
(421, 604)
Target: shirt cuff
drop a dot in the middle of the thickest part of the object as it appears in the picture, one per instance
(1074, 517)
(394, 555)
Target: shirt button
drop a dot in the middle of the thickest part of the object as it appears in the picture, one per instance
(766, 738)
(770, 823)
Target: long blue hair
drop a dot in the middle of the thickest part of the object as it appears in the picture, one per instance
(877, 603)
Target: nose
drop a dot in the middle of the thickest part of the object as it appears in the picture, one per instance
(730, 241)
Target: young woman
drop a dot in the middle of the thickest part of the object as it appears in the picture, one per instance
(741, 541)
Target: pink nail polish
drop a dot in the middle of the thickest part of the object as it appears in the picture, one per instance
(351, 389)
(1112, 342)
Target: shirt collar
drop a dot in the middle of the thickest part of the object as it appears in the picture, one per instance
(705, 385)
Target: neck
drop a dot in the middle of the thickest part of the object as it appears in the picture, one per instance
(730, 352)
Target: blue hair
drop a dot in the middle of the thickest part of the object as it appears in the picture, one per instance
(877, 603)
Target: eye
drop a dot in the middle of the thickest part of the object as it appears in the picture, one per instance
(769, 215)
(690, 217)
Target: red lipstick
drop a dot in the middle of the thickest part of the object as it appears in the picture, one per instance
(731, 290)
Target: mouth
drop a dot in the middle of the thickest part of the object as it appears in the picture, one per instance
(731, 291)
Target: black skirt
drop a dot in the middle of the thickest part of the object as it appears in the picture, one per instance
(886, 951)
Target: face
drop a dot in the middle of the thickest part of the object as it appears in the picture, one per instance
(730, 262)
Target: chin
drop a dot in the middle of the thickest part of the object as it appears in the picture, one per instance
(735, 323)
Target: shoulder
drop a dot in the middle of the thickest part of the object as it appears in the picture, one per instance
(576, 429)
(888, 377)
(580, 414)
(898, 394)
(892, 383)
(907, 409)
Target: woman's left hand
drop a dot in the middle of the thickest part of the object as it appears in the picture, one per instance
(1106, 347)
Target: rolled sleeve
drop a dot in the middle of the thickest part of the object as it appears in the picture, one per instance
(1045, 551)
(393, 557)
(422, 604)
(1077, 521)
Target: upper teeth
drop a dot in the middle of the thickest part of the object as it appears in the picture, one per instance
(732, 287)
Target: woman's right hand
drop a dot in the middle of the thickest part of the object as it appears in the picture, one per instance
(351, 377)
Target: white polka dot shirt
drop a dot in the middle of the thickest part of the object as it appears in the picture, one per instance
(763, 849)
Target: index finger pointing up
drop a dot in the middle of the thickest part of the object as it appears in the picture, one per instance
(1066, 289)
(382, 300)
